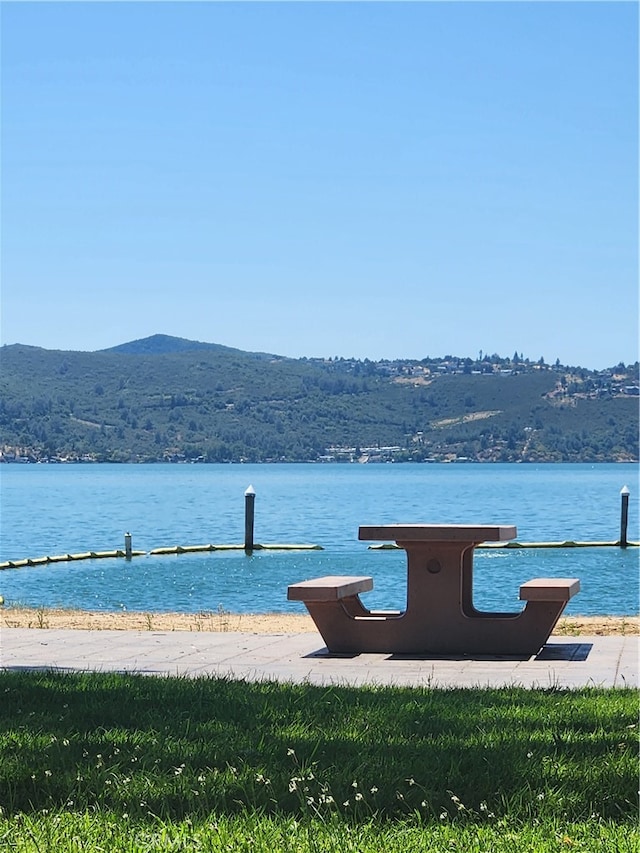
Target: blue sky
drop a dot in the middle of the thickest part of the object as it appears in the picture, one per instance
(379, 180)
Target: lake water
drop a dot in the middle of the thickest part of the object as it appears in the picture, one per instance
(55, 509)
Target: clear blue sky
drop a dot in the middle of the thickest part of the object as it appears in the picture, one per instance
(379, 180)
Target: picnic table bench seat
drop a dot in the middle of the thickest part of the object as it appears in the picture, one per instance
(337, 587)
(549, 589)
(329, 588)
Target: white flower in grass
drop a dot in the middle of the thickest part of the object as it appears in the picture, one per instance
(359, 796)
(354, 784)
(374, 790)
(444, 815)
(346, 804)
(291, 751)
(47, 773)
(411, 781)
(310, 801)
(293, 786)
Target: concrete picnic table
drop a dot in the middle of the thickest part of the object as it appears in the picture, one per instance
(440, 617)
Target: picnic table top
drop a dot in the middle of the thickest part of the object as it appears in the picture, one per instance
(438, 532)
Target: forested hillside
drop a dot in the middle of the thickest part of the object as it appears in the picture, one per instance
(168, 399)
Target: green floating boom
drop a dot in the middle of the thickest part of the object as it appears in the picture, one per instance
(190, 549)
(569, 543)
(66, 558)
(280, 546)
(173, 549)
(391, 546)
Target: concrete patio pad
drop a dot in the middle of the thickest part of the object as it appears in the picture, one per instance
(568, 662)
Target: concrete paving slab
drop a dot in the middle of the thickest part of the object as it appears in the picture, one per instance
(564, 662)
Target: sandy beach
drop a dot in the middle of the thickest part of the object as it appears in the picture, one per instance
(270, 623)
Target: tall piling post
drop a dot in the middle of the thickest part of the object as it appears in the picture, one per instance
(249, 511)
(127, 545)
(624, 515)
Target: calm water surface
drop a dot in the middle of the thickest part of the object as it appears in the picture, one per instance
(53, 509)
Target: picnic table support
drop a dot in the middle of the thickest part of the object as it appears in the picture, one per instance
(440, 616)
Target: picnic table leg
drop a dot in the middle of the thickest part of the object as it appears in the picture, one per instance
(346, 625)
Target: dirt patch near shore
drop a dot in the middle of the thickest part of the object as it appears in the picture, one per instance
(249, 623)
(272, 623)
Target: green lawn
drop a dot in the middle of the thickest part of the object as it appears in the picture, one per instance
(131, 763)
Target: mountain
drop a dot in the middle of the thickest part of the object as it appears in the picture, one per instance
(166, 398)
(163, 344)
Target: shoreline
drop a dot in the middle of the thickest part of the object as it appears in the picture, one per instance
(249, 623)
